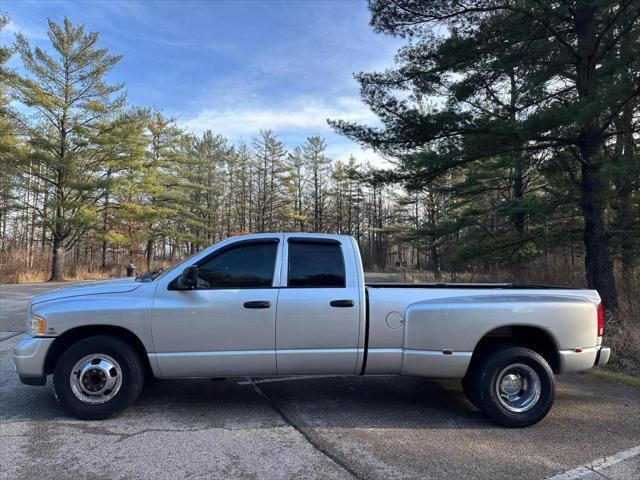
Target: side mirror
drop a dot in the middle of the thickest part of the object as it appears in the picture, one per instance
(189, 278)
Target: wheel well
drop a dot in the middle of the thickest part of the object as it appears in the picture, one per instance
(536, 339)
(70, 337)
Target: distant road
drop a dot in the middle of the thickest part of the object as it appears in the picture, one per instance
(14, 299)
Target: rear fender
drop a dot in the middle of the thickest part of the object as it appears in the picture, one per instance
(441, 334)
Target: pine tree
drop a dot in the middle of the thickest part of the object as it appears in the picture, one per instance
(209, 179)
(120, 148)
(9, 154)
(317, 165)
(559, 61)
(298, 180)
(68, 100)
(271, 208)
(161, 188)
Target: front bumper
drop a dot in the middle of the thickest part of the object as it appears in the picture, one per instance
(29, 356)
(572, 361)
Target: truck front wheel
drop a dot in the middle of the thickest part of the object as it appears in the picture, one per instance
(515, 386)
(97, 377)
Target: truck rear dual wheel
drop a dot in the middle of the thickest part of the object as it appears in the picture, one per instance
(513, 385)
(97, 377)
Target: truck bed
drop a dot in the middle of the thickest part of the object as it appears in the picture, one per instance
(491, 286)
(424, 319)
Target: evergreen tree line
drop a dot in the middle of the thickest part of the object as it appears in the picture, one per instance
(517, 123)
(86, 175)
(512, 127)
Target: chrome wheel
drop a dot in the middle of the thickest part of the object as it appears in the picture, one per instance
(518, 387)
(96, 378)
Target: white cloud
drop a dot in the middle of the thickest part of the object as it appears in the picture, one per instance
(298, 118)
(343, 150)
(299, 115)
(12, 28)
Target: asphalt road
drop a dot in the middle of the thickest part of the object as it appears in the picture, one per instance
(333, 427)
(13, 303)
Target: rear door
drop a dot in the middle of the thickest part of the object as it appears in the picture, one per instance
(317, 324)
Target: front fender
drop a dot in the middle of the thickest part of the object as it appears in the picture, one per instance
(131, 311)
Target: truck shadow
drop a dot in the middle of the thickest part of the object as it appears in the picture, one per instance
(345, 402)
(327, 402)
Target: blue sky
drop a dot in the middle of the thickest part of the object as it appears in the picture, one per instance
(233, 66)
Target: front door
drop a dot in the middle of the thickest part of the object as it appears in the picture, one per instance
(226, 326)
(318, 309)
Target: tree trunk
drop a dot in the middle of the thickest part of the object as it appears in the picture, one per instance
(57, 234)
(149, 254)
(519, 216)
(627, 174)
(435, 262)
(105, 224)
(625, 224)
(517, 187)
(598, 264)
(57, 262)
(103, 256)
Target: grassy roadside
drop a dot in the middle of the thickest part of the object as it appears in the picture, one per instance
(617, 377)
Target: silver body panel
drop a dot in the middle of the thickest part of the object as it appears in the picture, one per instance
(208, 333)
(29, 356)
(572, 361)
(311, 336)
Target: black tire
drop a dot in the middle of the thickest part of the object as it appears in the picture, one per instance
(490, 367)
(471, 388)
(471, 381)
(130, 367)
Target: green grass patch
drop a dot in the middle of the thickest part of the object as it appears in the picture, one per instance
(618, 377)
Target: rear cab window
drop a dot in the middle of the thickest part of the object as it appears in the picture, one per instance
(315, 264)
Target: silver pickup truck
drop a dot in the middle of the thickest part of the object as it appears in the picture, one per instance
(297, 304)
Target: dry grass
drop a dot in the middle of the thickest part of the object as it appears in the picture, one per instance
(622, 334)
(14, 268)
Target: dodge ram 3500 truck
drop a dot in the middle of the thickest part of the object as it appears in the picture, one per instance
(297, 304)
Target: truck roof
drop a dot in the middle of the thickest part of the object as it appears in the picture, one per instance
(293, 234)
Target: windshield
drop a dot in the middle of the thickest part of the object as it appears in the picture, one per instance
(161, 272)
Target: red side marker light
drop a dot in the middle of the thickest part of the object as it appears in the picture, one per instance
(600, 320)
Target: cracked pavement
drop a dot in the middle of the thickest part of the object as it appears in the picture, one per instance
(330, 427)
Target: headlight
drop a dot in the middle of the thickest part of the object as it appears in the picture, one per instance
(36, 325)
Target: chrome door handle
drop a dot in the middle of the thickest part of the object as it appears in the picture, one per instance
(258, 304)
(342, 303)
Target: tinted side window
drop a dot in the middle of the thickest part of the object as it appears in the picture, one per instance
(246, 266)
(315, 265)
